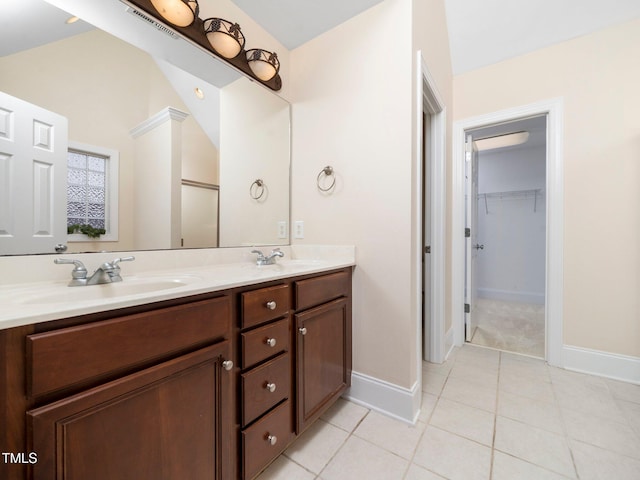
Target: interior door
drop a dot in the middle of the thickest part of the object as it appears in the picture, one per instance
(33, 178)
(471, 234)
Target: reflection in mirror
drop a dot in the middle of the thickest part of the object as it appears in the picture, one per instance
(182, 153)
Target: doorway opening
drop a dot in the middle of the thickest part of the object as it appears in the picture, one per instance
(505, 255)
(554, 234)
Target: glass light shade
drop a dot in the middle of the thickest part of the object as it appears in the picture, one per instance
(225, 37)
(263, 64)
(180, 13)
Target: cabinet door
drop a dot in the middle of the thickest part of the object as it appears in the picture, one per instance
(323, 354)
(171, 421)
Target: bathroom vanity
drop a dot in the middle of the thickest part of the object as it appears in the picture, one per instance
(212, 383)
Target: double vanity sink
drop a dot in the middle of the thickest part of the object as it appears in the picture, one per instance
(29, 302)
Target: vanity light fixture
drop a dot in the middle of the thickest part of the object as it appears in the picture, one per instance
(263, 64)
(180, 13)
(501, 141)
(225, 37)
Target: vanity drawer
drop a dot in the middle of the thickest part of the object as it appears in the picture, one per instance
(264, 342)
(264, 304)
(83, 354)
(266, 439)
(314, 291)
(258, 383)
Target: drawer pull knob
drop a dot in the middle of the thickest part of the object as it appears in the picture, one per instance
(227, 365)
(271, 342)
(271, 387)
(271, 305)
(303, 330)
(272, 439)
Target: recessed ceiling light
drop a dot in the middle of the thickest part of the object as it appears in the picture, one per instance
(71, 20)
(198, 93)
(501, 141)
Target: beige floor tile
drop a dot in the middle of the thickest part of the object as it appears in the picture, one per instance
(345, 414)
(426, 408)
(317, 446)
(534, 388)
(393, 435)
(524, 366)
(453, 457)
(594, 463)
(468, 422)
(470, 394)
(439, 368)
(359, 460)
(540, 447)
(506, 467)
(587, 395)
(433, 382)
(418, 473)
(545, 415)
(284, 469)
(475, 374)
(631, 413)
(617, 437)
(624, 391)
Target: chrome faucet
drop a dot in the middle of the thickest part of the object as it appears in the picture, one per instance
(108, 272)
(270, 259)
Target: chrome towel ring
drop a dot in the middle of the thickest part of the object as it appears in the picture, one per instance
(326, 172)
(256, 190)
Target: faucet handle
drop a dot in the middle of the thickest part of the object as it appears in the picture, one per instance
(260, 254)
(122, 259)
(78, 272)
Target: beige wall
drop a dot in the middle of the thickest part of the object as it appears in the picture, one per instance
(598, 76)
(353, 96)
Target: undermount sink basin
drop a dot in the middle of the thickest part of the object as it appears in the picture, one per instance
(128, 286)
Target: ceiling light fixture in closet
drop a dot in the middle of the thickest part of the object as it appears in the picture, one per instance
(501, 141)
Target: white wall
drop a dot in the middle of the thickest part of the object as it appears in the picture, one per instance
(511, 266)
(597, 76)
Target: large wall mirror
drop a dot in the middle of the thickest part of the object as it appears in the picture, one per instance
(165, 145)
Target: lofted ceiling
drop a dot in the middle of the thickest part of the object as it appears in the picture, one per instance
(480, 32)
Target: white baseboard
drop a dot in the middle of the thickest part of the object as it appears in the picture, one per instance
(511, 296)
(603, 364)
(392, 400)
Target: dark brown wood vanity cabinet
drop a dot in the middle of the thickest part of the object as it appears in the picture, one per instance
(323, 343)
(213, 386)
(266, 378)
(139, 396)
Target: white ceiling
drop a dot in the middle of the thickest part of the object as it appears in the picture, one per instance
(480, 32)
(485, 32)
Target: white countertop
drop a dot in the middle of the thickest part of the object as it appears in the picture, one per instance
(33, 302)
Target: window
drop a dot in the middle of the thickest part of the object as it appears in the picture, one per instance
(92, 190)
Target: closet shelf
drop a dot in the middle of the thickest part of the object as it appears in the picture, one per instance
(512, 194)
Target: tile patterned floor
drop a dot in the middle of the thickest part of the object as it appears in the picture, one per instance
(486, 415)
(511, 326)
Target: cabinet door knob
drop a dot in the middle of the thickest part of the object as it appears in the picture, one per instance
(271, 387)
(272, 439)
(271, 305)
(227, 365)
(303, 330)
(271, 342)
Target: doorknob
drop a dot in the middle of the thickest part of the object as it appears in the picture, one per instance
(477, 246)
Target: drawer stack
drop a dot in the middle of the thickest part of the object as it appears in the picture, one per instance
(266, 377)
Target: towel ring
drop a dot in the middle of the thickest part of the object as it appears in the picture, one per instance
(327, 172)
(256, 190)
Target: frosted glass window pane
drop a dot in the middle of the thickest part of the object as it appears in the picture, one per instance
(97, 164)
(86, 189)
(77, 177)
(77, 160)
(95, 179)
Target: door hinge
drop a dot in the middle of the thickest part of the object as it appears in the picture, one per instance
(427, 249)
(467, 308)
(467, 233)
